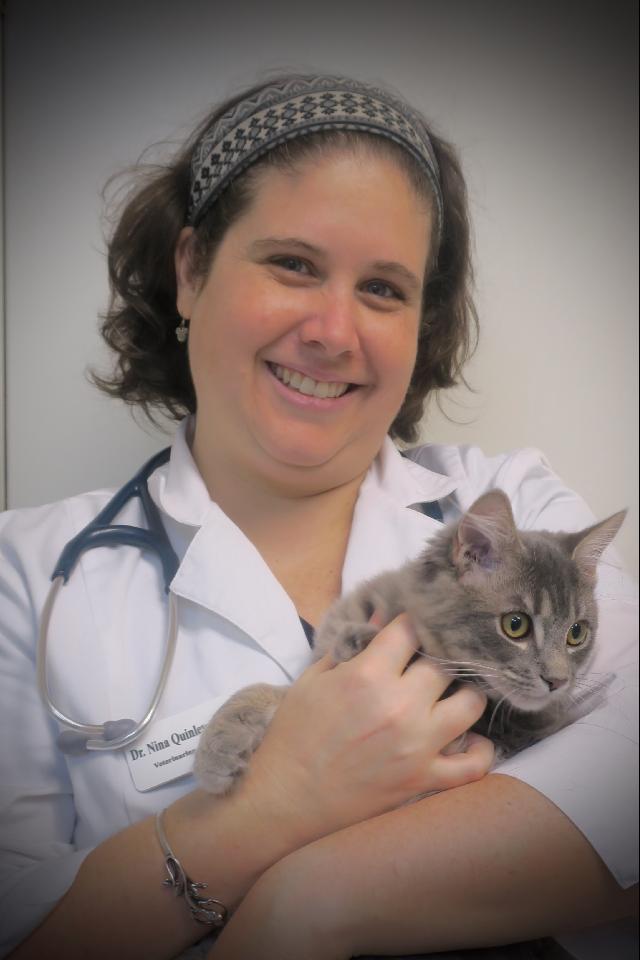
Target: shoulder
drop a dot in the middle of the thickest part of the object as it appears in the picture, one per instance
(472, 467)
(47, 519)
(539, 497)
(32, 538)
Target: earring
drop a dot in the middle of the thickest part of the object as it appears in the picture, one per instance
(182, 331)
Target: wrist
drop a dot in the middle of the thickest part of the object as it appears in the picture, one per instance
(282, 917)
(297, 810)
(203, 908)
(228, 842)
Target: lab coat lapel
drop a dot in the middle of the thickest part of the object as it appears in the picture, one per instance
(221, 570)
(224, 572)
(388, 526)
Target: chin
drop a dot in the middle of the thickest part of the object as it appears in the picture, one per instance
(530, 703)
(298, 457)
(299, 450)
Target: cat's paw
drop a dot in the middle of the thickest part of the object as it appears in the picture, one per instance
(233, 735)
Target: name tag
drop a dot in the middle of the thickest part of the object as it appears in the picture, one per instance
(166, 749)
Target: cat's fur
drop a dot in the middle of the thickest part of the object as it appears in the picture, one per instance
(470, 574)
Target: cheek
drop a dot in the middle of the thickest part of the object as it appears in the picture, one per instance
(221, 322)
(255, 312)
(396, 352)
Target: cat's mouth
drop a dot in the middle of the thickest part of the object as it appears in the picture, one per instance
(530, 701)
(533, 701)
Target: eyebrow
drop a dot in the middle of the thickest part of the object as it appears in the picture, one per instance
(289, 243)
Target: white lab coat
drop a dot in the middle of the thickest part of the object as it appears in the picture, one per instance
(238, 626)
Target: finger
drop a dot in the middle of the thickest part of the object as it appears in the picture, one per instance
(426, 678)
(394, 645)
(325, 663)
(460, 768)
(457, 713)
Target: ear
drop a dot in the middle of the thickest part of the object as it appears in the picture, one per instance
(484, 532)
(185, 282)
(588, 545)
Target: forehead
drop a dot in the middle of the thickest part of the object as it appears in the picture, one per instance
(550, 578)
(341, 193)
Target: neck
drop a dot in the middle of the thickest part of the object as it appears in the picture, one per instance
(302, 534)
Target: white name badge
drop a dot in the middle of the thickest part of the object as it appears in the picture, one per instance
(166, 749)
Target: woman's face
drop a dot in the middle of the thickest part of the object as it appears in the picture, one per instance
(303, 335)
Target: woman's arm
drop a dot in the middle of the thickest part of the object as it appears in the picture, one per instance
(487, 863)
(117, 905)
(312, 775)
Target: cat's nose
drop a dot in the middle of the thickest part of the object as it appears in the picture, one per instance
(555, 683)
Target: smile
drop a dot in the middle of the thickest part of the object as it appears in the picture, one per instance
(300, 383)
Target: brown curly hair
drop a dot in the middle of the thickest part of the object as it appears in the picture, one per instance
(152, 369)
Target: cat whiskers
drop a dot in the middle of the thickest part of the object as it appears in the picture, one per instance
(609, 691)
(598, 683)
(495, 711)
(632, 601)
(462, 668)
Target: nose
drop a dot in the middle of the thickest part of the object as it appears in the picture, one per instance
(333, 324)
(554, 683)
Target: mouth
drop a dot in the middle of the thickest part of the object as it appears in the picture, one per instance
(302, 384)
(530, 702)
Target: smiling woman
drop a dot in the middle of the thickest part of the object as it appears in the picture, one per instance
(329, 318)
(292, 287)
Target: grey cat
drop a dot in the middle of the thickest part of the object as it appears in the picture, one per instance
(509, 610)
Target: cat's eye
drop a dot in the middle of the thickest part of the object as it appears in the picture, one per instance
(515, 625)
(577, 633)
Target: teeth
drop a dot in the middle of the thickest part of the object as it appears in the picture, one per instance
(311, 388)
(308, 386)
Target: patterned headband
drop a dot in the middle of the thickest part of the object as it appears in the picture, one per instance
(292, 108)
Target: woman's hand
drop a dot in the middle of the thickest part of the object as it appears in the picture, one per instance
(354, 740)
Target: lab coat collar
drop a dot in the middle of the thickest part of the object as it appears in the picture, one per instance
(222, 571)
(388, 525)
(178, 487)
(406, 482)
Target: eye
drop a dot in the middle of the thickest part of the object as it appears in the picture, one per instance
(291, 264)
(515, 625)
(577, 633)
(381, 289)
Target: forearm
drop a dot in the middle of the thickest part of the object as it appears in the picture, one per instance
(492, 862)
(117, 905)
(312, 775)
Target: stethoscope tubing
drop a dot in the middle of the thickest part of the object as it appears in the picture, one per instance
(97, 732)
(112, 734)
(117, 734)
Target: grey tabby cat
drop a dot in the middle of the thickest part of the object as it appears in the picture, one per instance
(509, 610)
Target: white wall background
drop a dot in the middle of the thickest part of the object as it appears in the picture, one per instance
(3, 457)
(540, 98)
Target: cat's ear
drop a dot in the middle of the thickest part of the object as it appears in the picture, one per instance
(587, 546)
(486, 530)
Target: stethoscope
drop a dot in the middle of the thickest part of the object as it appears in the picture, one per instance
(101, 532)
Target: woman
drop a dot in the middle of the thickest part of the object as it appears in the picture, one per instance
(297, 281)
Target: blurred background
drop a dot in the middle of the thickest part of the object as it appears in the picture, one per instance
(541, 100)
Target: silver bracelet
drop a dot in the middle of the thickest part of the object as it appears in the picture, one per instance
(203, 909)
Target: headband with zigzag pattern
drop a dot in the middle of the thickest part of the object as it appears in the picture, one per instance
(300, 105)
